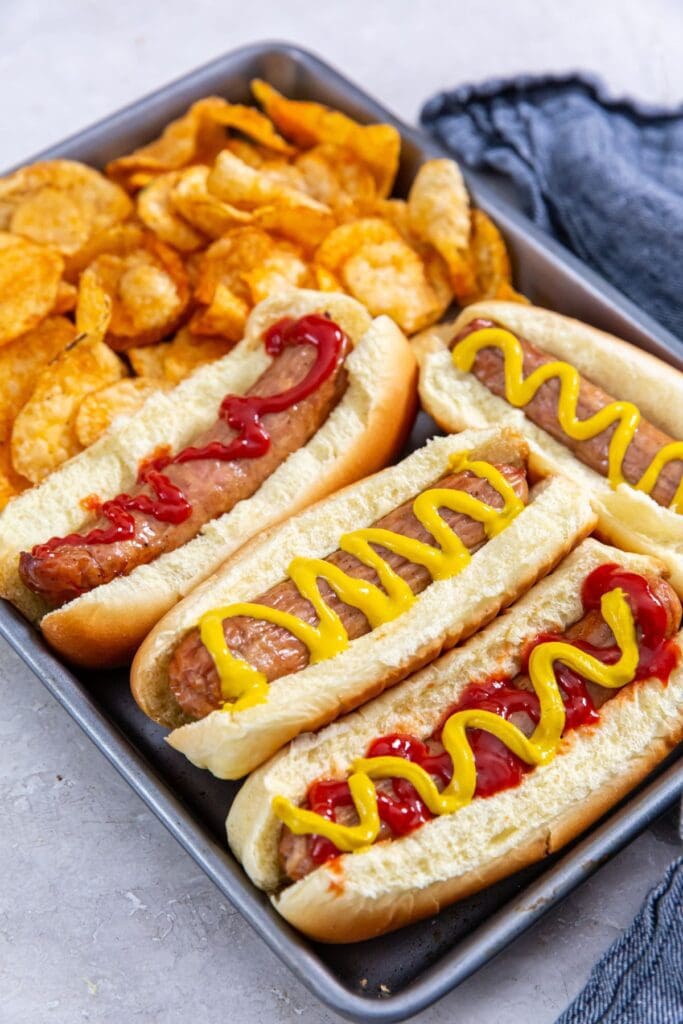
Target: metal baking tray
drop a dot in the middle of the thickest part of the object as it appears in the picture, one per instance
(390, 978)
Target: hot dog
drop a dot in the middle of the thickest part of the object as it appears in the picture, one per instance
(493, 756)
(316, 395)
(592, 406)
(352, 595)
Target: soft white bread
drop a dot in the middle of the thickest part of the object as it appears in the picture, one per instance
(106, 625)
(230, 744)
(395, 882)
(458, 401)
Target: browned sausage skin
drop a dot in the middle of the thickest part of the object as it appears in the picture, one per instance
(273, 650)
(295, 851)
(488, 368)
(212, 487)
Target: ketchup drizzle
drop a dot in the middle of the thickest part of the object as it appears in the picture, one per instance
(497, 767)
(241, 412)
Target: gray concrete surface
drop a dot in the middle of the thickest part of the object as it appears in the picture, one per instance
(103, 917)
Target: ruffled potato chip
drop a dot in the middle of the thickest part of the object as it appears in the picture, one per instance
(338, 179)
(491, 261)
(325, 280)
(196, 137)
(22, 360)
(67, 295)
(347, 239)
(11, 483)
(120, 239)
(44, 433)
(148, 361)
(225, 315)
(99, 409)
(197, 205)
(439, 208)
(157, 211)
(309, 124)
(389, 277)
(149, 292)
(29, 284)
(187, 351)
(60, 203)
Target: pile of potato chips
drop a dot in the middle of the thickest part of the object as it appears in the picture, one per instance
(115, 285)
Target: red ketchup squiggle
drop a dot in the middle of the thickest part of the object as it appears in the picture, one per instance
(241, 412)
(497, 767)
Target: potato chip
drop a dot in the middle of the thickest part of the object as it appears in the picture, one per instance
(389, 277)
(235, 182)
(99, 409)
(94, 307)
(11, 483)
(187, 351)
(225, 315)
(491, 261)
(325, 280)
(67, 295)
(196, 137)
(306, 226)
(236, 254)
(119, 239)
(439, 209)
(148, 361)
(336, 177)
(346, 239)
(308, 124)
(29, 284)
(156, 210)
(149, 292)
(193, 201)
(22, 360)
(282, 270)
(44, 432)
(60, 203)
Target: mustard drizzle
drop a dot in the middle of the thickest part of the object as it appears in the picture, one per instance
(243, 685)
(520, 390)
(538, 749)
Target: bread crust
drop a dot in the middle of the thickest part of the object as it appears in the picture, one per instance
(232, 744)
(104, 627)
(457, 401)
(394, 883)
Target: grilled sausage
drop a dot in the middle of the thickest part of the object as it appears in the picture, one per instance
(212, 487)
(488, 368)
(273, 650)
(295, 851)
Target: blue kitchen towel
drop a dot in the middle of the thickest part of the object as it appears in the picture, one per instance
(604, 176)
(640, 978)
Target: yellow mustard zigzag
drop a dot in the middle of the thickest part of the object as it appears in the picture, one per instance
(538, 749)
(243, 685)
(520, 390)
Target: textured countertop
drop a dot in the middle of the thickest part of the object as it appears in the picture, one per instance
(104, 917)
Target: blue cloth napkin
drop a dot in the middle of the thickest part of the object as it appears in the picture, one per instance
(604, 176)
(640, 978)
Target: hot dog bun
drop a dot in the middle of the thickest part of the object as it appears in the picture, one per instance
(105, 626)
(232, 744)
(457, 401)
(402, 880)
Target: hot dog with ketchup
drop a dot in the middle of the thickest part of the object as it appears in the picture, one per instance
(316, 395)
(349, 597)
(492, 757)
(592, 406)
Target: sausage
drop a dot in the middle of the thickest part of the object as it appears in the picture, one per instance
(488, 368)
(296, 860)
(273, 650)
(213, 487)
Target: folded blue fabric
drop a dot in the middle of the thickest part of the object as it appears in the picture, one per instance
(640, 978)
(605, 177)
